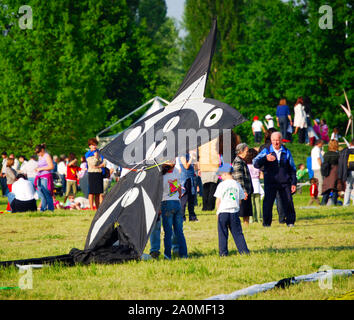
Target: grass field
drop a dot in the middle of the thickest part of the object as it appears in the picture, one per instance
(322, 236)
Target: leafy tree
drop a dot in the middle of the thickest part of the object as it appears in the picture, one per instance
(278, 50)
(82, 66)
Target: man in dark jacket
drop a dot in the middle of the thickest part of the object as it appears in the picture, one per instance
(346, 171)
(279, 175)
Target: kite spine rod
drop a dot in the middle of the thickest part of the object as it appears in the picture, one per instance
(129, 114)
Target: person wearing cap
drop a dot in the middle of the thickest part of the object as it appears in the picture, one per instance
(242, 175)
(257, 127)
(229, 194)
(270, 121)
(279, 176)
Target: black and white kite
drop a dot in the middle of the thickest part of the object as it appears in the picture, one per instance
(123, 222)
(189, 121)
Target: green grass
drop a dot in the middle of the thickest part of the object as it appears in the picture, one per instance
(322, 236)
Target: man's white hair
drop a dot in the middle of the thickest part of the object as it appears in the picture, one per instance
(277, 132)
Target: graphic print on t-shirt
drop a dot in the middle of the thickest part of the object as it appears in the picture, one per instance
(229, 194)
(173, 187)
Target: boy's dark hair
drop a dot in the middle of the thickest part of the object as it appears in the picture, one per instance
(21, 175)
(72, 156)
(93, 141)
(313, 180)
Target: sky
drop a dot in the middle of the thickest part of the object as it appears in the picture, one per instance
(175, 10)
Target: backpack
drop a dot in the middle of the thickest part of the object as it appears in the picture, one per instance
(325, 169)
(351, 161)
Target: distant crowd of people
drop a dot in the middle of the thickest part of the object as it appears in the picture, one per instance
(26, 181)
(307, 129)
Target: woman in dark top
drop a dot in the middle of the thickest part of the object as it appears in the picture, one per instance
(242, 175)
(330, 183)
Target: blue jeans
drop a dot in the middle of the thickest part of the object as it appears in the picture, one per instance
(226, 221)
(172, 218)
(63, 182)
(44, 195)
(10, 196)
(258, 136)
(283, 124)
(155, 236)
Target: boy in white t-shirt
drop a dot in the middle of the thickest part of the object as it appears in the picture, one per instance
(257, 128)
(229, 194)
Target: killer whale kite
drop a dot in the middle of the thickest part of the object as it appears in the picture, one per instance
(121, 226)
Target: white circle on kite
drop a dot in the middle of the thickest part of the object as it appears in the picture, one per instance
(130, 197)
(150, 151)
(154, 152)
(213, 117)
(170, 124)
(140, 177)
(132, 135)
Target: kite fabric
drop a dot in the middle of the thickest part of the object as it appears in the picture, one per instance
(187, 122)
(128, 212)
(122, 224)
(258, 288)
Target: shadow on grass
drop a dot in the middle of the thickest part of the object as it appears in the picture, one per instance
(325, 215)
(294, 250)
(214, 252)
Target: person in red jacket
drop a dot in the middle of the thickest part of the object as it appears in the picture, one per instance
(314, 191)
(71, 176)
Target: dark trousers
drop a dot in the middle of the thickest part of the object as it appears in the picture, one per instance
(258, 136)
(230, 221)
(302, 135)
(280, 208)
(286, 201)
(325, 197)
(188, 198)
(208, 196)
(3, 185)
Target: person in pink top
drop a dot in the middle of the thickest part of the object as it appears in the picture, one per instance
(257, 188)
(324, 131)
(44, 179)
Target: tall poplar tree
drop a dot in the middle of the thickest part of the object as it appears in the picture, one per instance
(280, 51)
